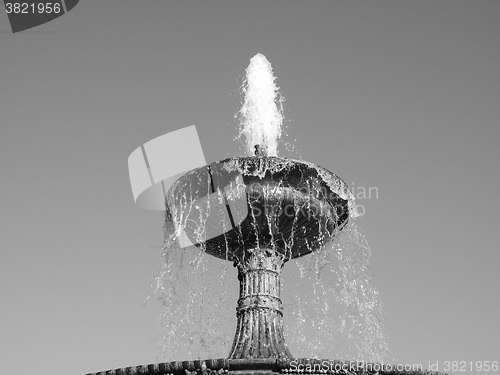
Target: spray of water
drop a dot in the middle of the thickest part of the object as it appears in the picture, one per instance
(261, 115)
(196, 291)
(332, 308)
(197, 294)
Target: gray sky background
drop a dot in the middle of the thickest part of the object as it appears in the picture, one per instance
(399, 95)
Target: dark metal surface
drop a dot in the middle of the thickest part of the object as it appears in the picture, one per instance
(289, 205)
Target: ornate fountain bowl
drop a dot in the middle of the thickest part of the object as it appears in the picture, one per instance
(288, 205)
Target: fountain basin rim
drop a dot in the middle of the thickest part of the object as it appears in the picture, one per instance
(276, 164)
(321, 204)
(265, 365)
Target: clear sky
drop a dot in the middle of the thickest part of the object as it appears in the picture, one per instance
(403, 96)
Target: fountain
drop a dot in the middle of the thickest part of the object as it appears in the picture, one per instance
(259, 212)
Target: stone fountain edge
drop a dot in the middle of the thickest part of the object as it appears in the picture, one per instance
(267, 365)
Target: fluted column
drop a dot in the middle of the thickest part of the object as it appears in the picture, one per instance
(259, 331)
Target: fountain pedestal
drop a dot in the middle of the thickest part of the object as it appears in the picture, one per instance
(259, 329)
